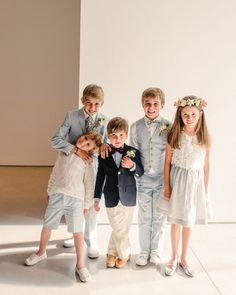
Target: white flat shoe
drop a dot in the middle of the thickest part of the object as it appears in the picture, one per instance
(83, 274)
(171, 269)
(93, 253)
(155, 258)
(187, 270)
(69, 243)
(34, 259)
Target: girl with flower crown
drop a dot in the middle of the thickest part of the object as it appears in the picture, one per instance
(186, 174)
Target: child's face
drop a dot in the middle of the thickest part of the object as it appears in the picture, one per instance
(117, 139)
(190, 116)
(152, 107)
(92, 105)
(85, 143)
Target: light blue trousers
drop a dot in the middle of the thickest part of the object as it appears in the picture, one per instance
(151, 221)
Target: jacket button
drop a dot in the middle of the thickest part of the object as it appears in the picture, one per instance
(119, 173)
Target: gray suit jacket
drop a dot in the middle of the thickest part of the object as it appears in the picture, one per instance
(73, 127)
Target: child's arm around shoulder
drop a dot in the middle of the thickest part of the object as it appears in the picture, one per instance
(58, 141)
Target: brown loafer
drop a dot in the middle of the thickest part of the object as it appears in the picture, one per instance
(111, 261)
(122, 262)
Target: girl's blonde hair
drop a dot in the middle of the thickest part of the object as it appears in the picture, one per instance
(178, 125)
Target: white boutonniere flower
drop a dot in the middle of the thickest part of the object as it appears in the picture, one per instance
(131, 153)
(164, 129)
(100, 122)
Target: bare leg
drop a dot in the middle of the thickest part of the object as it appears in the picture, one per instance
(175, 237)
(79, 249)
(186, 234)
(45, 236)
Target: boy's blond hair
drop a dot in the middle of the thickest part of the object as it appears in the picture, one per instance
(153, 92)
(96, 137)
(117, 124)
(94, 91)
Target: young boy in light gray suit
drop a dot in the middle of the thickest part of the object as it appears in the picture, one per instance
(76, 123)
(149, 136)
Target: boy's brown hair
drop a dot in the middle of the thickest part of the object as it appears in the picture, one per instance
(96, 137)
(93, 90)
(153, 92)
(117, 124)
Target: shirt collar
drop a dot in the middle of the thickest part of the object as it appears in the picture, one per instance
(86, 115)
(158, 119)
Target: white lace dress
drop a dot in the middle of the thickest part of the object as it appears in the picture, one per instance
(187, 204)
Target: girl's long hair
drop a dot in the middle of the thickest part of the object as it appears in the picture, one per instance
(178, 125)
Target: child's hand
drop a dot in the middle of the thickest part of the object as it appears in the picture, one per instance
(96, 206)
(167, 193)
(86, 212)
(126, 162)
(104, 150)
(85, 156)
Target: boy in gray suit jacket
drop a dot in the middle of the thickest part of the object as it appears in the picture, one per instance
(149, 135)
(76, 123)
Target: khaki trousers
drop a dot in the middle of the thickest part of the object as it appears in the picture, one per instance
(120, 218)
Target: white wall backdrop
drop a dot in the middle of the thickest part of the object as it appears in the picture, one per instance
(184, 47)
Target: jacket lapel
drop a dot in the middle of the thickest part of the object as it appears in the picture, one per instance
(112, 162)
(124, 154)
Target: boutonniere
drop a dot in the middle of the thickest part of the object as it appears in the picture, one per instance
(99, 122)
(131, 153)
(164, 129)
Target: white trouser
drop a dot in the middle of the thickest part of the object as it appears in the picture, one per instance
(120, 218)
(90, 229)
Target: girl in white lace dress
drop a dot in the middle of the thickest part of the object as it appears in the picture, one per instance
(186, 176)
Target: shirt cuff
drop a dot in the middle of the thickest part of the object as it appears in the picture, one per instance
(97, 200)
(133, 168)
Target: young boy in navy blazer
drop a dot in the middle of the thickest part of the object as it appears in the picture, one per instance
(116, 179)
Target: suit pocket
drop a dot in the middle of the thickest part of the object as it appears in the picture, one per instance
(109, 190)
(130, 189)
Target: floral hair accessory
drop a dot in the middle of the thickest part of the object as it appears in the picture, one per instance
(131, 153)
(191, 101)
(164, 129)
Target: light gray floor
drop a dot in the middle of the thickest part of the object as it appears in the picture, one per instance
(212, 255)
(22, 204)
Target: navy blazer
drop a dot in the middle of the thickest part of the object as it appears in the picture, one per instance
(118, 184)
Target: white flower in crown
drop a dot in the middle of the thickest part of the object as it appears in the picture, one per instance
(164, 129)
(100, 122)
(131, 153)
(190, 101)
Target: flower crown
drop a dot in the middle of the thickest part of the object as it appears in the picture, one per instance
(190, 101)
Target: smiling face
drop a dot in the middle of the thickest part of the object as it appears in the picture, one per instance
(190, 117)
(152, 107)
(92, 105)
(85, 143)
(117, 138)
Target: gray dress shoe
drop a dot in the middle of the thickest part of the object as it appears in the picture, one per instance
(171, 269)
(187, 270)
